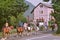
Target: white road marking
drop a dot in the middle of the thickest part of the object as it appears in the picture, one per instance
(39, 37)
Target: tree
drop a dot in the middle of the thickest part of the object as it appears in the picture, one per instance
(10, 8)
(56, 13)
(20, 17)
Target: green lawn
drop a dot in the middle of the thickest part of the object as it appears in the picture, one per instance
(56, 34)
(13, 31)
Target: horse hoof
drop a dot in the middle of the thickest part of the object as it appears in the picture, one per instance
(28, 34)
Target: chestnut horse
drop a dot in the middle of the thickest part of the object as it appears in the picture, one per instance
(6, 31)
(20, 30)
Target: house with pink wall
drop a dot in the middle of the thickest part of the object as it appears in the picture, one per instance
(42, 11)
(39, 9)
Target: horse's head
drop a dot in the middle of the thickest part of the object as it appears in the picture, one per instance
(12, 27)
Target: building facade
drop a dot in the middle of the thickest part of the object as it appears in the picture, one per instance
(39, 9)
(42, 12)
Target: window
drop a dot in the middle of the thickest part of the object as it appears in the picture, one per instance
(41, 19)
(41, 12)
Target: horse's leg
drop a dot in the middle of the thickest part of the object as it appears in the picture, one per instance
(3, 35)
(8, 34)
(17, 32)
(21, 33)
(29, 31)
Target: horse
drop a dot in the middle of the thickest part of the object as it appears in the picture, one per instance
(20, 30)
(6, 31)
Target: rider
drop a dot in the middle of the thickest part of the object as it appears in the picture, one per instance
(6, 30)
(25, 26)
(21, 24)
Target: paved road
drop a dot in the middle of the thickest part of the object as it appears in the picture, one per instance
(45, 37)
(35, 36)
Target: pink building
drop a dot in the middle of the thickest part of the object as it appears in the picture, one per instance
(39, 9)
(42, 11)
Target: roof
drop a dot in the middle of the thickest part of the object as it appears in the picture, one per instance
(36, 2)
(45, 4)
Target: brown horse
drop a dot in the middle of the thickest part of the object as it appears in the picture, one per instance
(6, 31)
(20, 30)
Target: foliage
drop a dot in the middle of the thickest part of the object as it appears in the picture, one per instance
(12, 21)
(56, 14)
(10, 9)
(51, 22)
(57, 17)
(20, 17)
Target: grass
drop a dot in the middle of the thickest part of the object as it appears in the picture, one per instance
(1, 34)
(56, 34)
(13, 31)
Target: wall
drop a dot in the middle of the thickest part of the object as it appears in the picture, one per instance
(45, 14)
